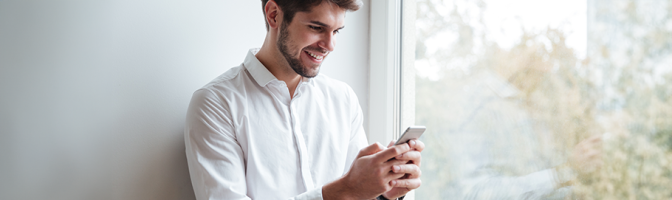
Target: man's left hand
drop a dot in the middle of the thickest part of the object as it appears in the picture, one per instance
(411, 179)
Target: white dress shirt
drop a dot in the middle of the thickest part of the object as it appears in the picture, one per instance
(247, 139)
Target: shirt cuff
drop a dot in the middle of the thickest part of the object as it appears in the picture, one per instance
(564, 176)
(314, 194)
(381, 197)
(542, 180)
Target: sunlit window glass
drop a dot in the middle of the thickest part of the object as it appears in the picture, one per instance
(545, 99)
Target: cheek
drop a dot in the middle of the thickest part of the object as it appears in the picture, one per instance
(307, 39)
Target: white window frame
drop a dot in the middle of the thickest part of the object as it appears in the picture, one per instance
(392, 74)
(384, 70)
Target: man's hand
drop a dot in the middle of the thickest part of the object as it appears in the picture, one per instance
(371, 174)
(410, 169)
(587, 155)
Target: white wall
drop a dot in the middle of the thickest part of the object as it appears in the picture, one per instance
(93, 93)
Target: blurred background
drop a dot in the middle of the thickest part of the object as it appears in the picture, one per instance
(509, 89)
(93, 94)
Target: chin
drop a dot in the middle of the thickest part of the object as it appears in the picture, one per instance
(311, 74)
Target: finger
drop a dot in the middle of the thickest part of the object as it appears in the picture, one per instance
(413, 156)
(370, 150)
(393, 176)
(595, 138)
(592, 155)
(391, 144)
(394, 162)
(412, 170)
(407, 183)
(391, 152)
(417, 145)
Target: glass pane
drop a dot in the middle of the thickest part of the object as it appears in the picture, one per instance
(545, 99)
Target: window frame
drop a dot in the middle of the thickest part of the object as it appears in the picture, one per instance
(384, 81)
(392, 73)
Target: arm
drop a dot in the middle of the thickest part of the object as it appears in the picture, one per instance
(497, 173)
(536, 185)
(552, 183)
(215, 159)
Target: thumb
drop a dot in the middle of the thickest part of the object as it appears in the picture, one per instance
(371, 149)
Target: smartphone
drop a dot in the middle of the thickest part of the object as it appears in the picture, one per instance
(412, 132)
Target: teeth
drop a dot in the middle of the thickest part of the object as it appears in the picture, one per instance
(316, 56)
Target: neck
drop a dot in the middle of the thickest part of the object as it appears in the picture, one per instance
(273, 60)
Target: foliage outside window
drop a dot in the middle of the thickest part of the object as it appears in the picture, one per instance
(506, 102)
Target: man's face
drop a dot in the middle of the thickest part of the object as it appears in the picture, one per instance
(306, 41)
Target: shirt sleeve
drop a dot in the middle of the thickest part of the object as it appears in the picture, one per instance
(537, 185)
(314, 194)
(215, 159)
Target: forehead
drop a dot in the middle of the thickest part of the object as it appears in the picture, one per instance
(327, 13)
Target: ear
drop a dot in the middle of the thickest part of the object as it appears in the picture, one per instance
(273, 14)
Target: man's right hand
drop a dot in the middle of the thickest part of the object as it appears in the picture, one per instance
(586, 156)
(370, 175)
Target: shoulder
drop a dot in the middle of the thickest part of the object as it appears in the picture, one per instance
(227, 87)
(226, 80)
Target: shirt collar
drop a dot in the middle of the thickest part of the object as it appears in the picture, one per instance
(259, 72)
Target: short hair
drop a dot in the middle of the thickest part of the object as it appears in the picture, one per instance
(291, 7)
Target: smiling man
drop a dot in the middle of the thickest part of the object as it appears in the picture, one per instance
(272, 128)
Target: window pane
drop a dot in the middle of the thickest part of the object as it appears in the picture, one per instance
(545, 99)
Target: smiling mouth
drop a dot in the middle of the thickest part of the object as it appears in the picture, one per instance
(317, 57)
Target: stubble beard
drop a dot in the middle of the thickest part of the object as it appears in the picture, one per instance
(294, 63)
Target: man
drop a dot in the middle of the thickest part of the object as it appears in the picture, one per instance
(273, 128)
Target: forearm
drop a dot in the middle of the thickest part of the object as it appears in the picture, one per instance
(337, 190)
(532, 186)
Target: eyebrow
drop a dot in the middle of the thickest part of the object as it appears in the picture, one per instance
(325, 25)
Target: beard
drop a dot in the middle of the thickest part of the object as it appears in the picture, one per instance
(295, 63)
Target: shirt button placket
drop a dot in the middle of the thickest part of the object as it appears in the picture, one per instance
(301, 145)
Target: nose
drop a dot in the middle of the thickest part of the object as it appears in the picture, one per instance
(328, 42)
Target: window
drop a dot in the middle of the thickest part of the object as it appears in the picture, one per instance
(511, 90)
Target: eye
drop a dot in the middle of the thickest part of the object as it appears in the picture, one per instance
(317, 28)
(337, 31)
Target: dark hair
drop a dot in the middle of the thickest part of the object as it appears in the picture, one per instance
(291, 7)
